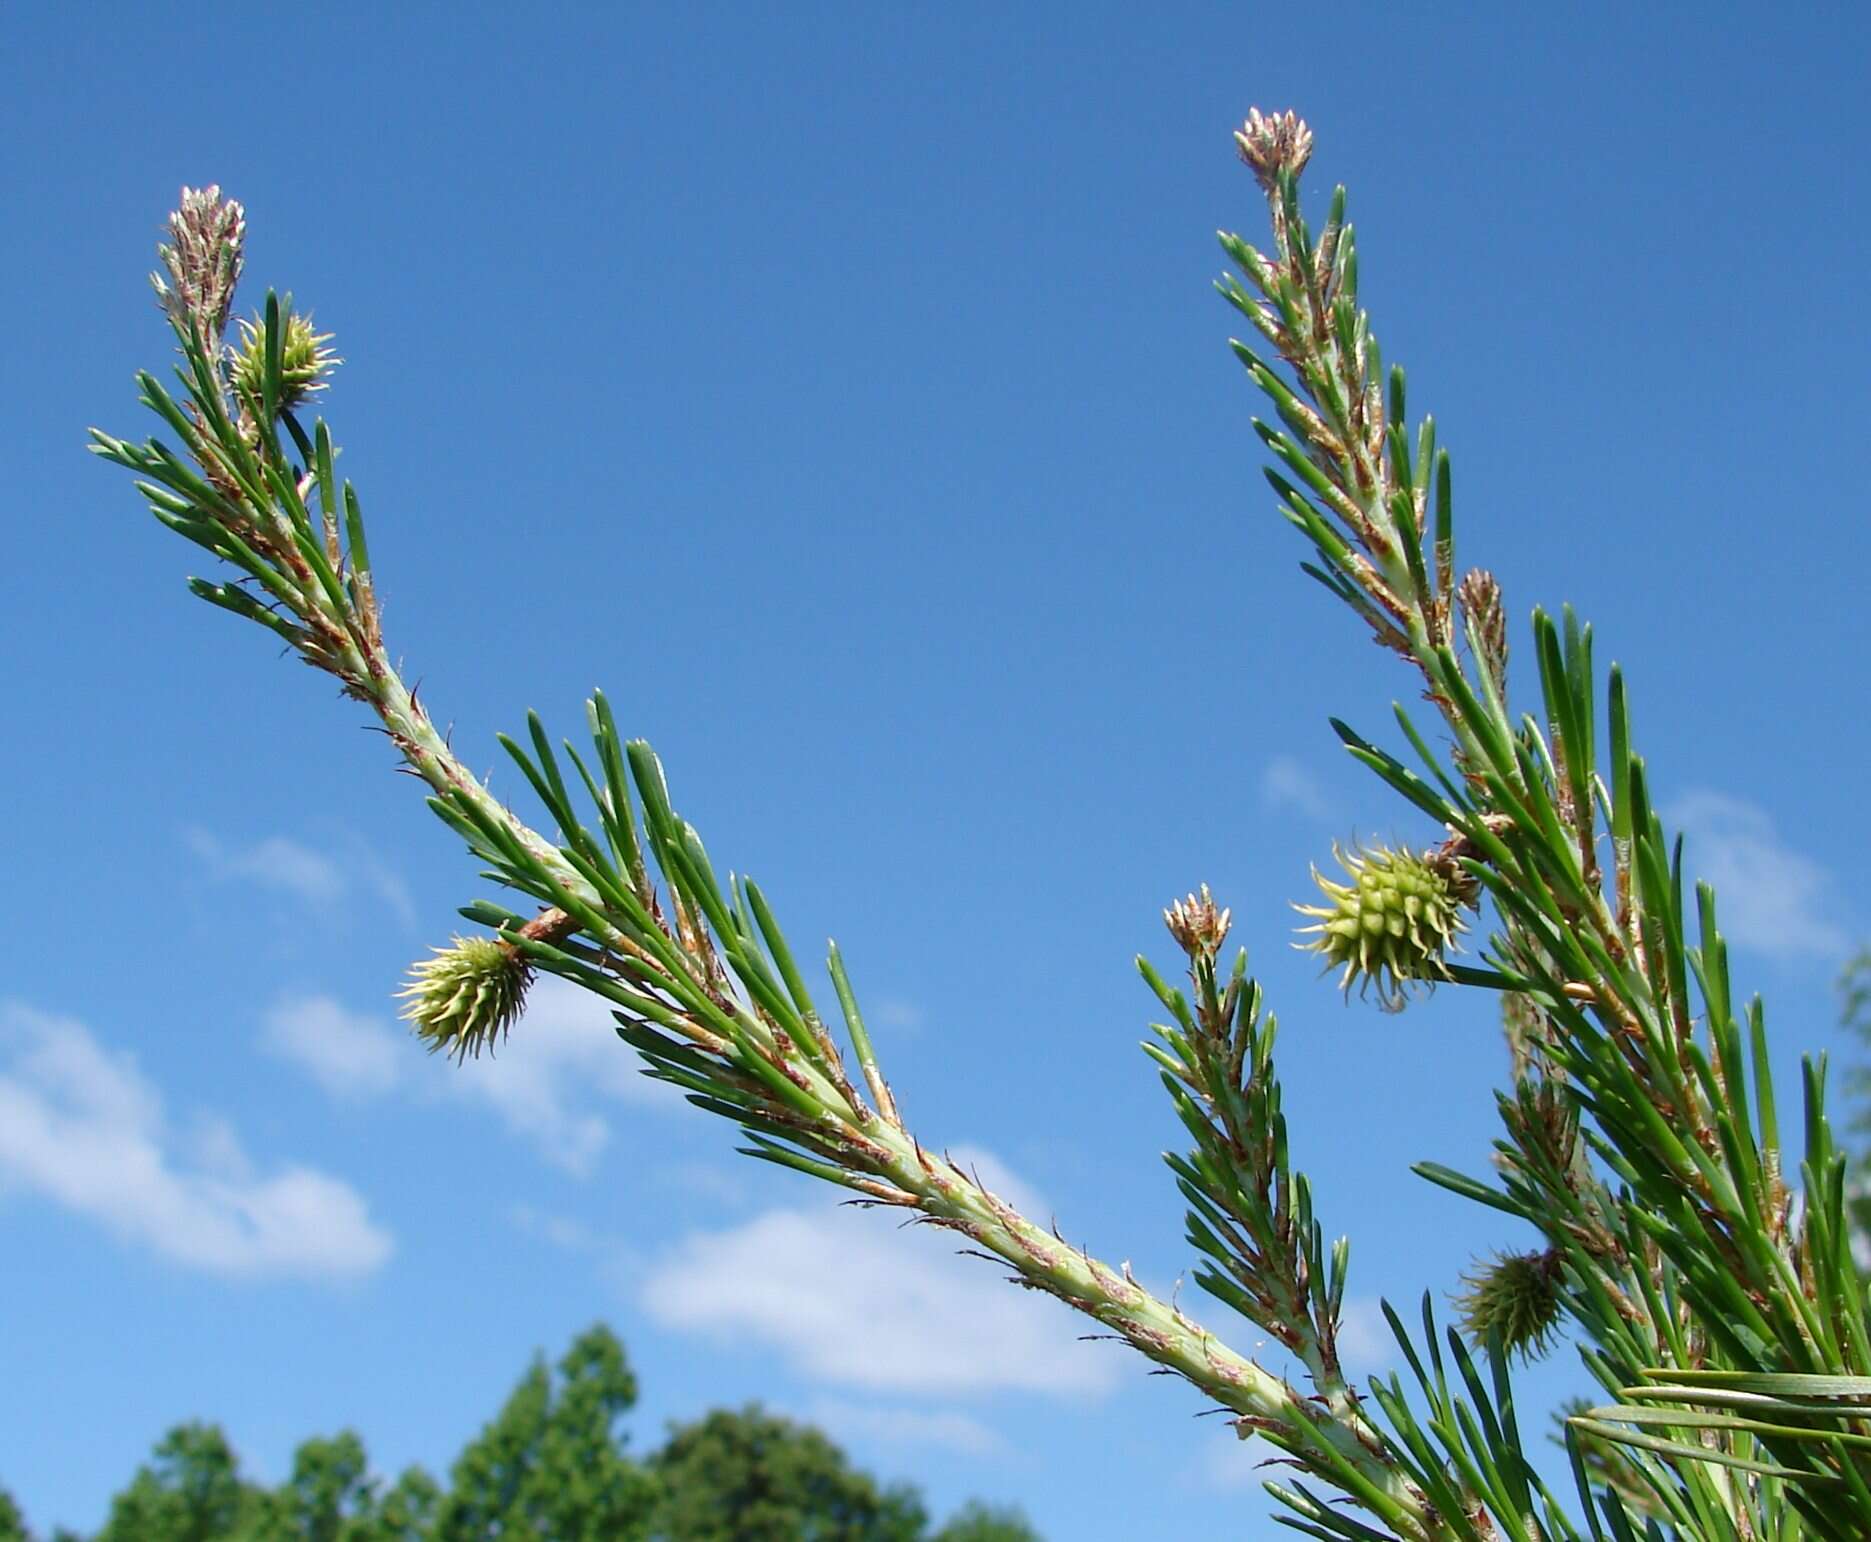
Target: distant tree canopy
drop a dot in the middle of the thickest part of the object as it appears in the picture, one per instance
(551, 1466)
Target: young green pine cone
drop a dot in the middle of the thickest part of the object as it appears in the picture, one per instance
(466, 995)
(1517, 1296)
(1391, 924)
(304, 363)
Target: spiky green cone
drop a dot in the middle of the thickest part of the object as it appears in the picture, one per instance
(1517, 1296)
(466, 996)
(305, 361)
(1391, 924)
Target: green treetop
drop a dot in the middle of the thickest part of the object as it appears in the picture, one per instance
(753, 1477)
(976, 1522)
(192, 1491)
(552, 1465)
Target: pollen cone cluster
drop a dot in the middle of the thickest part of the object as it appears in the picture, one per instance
(465, 996)
(1198, 924)
(1390, 923)
(203, 258)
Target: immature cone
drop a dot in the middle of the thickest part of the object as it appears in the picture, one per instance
(305, 361)
(1196, 924)
(1274, 143)
(1391, 923)
(1517, 1295)
(466, 996)
(1480, 599)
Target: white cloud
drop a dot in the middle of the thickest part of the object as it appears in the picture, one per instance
(1768, 896)
(989, 1170)
(82, 1127)
(919, 1428)
(728, 1187)
(274, 863)
(896, 1015)
(546, 1081)
(316, 878)
(1228, 1463)
(1286, 784)
(617, 1258)
(562, 1231)
(349, 1055)
(1365, 1343)
(856, 1299)
(384, 882)
(561, 1056)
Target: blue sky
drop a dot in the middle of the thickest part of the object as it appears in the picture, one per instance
(841, 388)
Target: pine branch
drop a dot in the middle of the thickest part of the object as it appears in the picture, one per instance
(697, 971)
(1724, 1316)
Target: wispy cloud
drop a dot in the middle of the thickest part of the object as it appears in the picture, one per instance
(725, 1186)
(617, 1258)
(384, 882)
(348, 1054)
(547, 1082)
(917, 1428)
(314, 877)
(897, 1015)
(989, 1170)
(1286, 784)
(273, 863)
(1365, 1343)
(854, 1299)
(1227, 1463)
(562, 1231)
(81, 1126)
(1769, 896)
